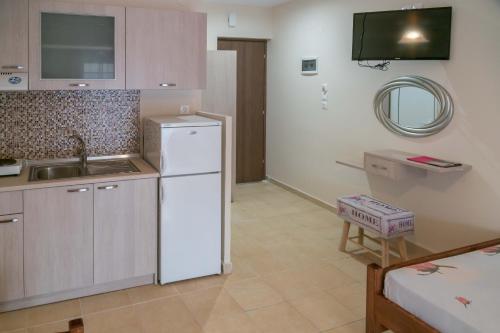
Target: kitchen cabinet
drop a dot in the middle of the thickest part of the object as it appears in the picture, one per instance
(11, 257)
(13, 35)
(76, 46)
(125, 224)
(58, 236)
(166, 49)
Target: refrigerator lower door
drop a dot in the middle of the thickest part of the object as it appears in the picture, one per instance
(190, 227)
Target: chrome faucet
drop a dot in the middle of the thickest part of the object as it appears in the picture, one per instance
(83, 149)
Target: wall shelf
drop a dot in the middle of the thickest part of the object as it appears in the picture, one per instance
(393, 164)
(401, 157)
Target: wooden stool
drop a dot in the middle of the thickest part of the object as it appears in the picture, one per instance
(384, 244)
(385, 221)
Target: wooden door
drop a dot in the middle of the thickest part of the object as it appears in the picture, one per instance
(166, 49)
(251, 108)
(58, 231)
(125, 225)
(90, 54)
(11, 258)
(13, 35)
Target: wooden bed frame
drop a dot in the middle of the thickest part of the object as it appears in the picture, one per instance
(382, 314)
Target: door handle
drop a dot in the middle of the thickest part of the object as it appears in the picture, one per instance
(79, 190)
(168, 84)
(13, 67)
(9, 221)
(80, 85)
(108, 187)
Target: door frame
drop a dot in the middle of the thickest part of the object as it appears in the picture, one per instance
(265, 41)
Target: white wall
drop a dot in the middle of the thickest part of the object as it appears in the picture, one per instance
(303, 141)
(252, 22)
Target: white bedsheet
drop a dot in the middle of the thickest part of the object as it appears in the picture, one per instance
(458, 294)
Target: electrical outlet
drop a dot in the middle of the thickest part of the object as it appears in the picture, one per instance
(184, 109)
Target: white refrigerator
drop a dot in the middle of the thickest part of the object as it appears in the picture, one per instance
(186, 150)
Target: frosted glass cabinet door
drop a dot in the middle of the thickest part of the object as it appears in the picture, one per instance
(75, 46)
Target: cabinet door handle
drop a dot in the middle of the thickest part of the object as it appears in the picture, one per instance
(78, 190)
(376, 166)
(168, 84)
(108, 187)
(80, 85)
(9, 221)
(13, 67)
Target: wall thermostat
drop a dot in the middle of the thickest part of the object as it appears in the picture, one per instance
(310, 66)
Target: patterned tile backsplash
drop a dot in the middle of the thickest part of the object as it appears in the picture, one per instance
(32, 123)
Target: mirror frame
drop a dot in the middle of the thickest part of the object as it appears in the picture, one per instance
(441, 94)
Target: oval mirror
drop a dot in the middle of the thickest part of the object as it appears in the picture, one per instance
(413, 106)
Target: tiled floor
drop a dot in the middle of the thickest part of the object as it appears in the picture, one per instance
(288, 277)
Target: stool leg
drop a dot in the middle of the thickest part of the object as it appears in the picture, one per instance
(385, 252)
(361, 236)
(345, 236)
(403, 253)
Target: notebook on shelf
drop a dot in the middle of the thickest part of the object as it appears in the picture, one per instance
(434, 162)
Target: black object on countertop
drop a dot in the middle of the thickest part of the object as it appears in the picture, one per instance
(7, 161)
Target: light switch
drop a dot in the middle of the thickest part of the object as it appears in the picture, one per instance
(324, 96)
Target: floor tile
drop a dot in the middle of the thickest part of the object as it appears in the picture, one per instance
(352, 297)
(103, 302)
(200, 283)
(237, 322)
(356, 327)
(291, 285)
(60, 326)
(210, 304)
(13, 320)
(281, 318)
(122, 320)
(53, 312)
(324, 311)
(151, 292)
(166, 315)
(253, 294)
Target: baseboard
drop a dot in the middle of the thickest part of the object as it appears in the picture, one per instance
(303, 194)
(77, 293)
(227, 268)
(330, 207)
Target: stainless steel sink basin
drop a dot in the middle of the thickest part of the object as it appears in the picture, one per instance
(70, 170)
(55, 172)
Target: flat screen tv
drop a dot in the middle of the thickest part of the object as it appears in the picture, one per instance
(416, 34)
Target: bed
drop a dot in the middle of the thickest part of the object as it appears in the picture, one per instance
(456, 291)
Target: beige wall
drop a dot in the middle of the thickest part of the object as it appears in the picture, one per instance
(304, 141)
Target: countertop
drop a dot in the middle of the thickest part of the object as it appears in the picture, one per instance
(21, 182)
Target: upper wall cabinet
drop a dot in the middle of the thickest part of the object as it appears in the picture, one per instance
(13, 35)
(76, 46)
(166, 49)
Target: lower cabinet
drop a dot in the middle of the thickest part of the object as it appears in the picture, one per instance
(58, 232)
(11, 257)
(80, 236)
(125, 229)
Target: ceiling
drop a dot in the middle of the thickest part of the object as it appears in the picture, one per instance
(263, 3)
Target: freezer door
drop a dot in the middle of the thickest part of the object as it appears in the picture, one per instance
(191, 150)
(190, 227)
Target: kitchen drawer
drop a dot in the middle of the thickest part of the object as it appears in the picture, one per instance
(381, 167)
(11, 202)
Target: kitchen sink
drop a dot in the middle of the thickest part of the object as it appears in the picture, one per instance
(55, 172)
(71, 169)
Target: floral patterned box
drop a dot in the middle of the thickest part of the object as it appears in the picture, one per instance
(385, 220)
